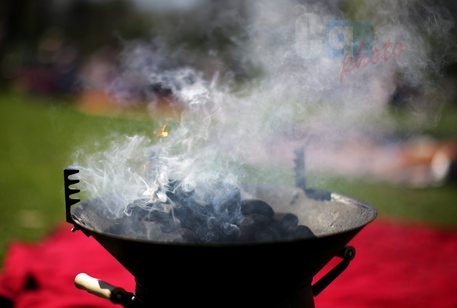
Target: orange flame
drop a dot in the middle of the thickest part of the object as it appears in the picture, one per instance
(163, 131)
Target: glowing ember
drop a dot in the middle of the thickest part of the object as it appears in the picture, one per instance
(163, 131)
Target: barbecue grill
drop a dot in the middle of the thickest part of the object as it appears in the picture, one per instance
(249, 274)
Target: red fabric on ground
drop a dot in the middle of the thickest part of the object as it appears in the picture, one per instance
(53, 264)
(395, 266)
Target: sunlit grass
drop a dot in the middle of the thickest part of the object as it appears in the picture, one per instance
(435, 206)
(37, 141)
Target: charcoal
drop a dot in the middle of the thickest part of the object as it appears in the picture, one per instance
(138, 203)
(155, 230)
(115, 228)
(231, 231)
(169, 227)
(135, 209)
(231, 202)
(260, 219)
(254, 206)
(189, 236)
(231, 208)
(184, 214)
(118, 228)
(303, 232)
(221, 218)
(283, 233)
(196, 223)
(165, 219)
(158, 216)
(189, 222)
(212, 222)
(213, 229)
(141, 208)
(287, 221)
(180, 196)
(177, 195)
(208, 238)
(247, 229)
(268, 233)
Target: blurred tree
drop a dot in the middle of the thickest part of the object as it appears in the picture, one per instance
(21, 23)
(99, 23)
(26, 26)
(210, 32)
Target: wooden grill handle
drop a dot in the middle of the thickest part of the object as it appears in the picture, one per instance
(94, 286)
(104, 290)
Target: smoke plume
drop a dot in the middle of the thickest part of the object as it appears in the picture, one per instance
(297, 100)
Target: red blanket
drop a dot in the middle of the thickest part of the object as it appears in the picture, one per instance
(395, 266)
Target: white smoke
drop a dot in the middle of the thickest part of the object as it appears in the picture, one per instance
(298, 99)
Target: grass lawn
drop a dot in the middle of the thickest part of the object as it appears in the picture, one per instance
(38, 137)
(37, 140)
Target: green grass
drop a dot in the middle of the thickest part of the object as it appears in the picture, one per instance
(37, 140)
(433, 206)
(39, 136)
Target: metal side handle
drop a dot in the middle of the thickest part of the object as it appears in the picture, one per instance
(347, 254)
(104, 290)
(69, 201)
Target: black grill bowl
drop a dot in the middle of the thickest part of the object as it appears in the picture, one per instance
(237, 274)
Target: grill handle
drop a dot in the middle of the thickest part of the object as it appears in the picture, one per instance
(69, 201)
(104, 290)
(348, 253)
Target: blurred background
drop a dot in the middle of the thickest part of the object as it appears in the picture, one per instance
(60, 89)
